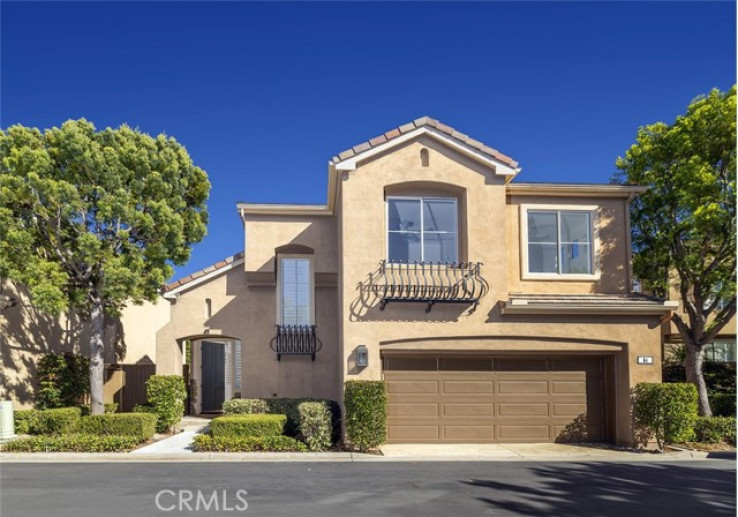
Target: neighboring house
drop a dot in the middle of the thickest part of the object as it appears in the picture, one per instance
(26, 334)
(722, 350)
(496, 311)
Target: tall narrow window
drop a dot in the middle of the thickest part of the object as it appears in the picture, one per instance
(422, 229)
(295, 291)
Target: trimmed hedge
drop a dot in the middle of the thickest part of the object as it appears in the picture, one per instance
(25, 420)
(140, 425)
(166, 393)
(248, 425)
(723, 404)
(61, 380)
(668, 410)
(366, 413)
(245, 407)
(715, 429)
(72, 443)
(286, 406)
(206, 442)
(315, 425)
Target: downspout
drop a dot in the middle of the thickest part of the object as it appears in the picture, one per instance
(629, 245)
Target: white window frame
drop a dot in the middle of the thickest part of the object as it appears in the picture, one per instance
(420, 199)
(593, 210)
(311, 275)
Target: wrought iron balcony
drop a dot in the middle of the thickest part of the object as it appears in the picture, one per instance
(295, 340)
(430, 283)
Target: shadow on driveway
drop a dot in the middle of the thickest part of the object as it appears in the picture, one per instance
(613, 489)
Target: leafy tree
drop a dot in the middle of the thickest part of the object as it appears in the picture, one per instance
(684, 226)
(92, 220)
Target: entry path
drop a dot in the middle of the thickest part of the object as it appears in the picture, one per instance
(180, 443)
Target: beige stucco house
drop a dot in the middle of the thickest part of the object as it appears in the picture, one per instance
(497, 311)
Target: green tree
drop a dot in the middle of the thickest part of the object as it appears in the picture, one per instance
(93, 220)
(684, 226)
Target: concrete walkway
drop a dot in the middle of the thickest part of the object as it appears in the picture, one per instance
(178, 444)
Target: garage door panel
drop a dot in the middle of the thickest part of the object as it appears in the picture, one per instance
(522, 409)
(510, 387)
(463, 402)
(413, 386)
(469, 433)
(468, 410)
(412, 410)
(470, 387)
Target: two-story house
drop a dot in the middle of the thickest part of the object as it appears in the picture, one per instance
(496, 311)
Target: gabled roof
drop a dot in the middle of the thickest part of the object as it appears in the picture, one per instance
(424, 122)
(202, 275)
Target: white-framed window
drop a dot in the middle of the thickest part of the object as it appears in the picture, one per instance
(295, 291)
(559, 242)
(422, 229)
(722, 351)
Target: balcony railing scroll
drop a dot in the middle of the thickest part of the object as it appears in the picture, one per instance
(430, 283)
(295, 340)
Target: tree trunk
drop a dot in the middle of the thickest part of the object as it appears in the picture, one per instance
(693, 367)
(97, 360)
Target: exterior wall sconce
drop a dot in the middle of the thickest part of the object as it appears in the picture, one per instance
(362, 356)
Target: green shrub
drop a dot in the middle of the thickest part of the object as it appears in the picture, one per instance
(71, 443)
(715, 429)
(668, 410)
(57, 421)
(140, 425)
(722, 404)
(25, 420)
(111, 407)
(315, 425)
(143, 408)
(289, 406)
(248, 425)
(166, 393)
(245, 407)
(366, 413)
(206, 442)
(61, 380)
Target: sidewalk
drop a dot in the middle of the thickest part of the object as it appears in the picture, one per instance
(178, 444)
(392, 453)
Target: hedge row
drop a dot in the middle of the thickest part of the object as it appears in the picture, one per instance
(723, 404)
(72, 443)
(248, 425)
(166, 395)
(366, 413)
(47, 421)
(139, 425)
(206, 442)
(63, 421)
(715, 429)
(309, 432)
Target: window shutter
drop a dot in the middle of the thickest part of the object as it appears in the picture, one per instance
(237, 361)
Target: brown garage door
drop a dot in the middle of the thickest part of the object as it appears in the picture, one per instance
(486, 399)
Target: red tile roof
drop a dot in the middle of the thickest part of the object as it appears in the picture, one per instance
(197, 274)
(418, 123)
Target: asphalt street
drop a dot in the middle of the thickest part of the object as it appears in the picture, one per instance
(327, 489)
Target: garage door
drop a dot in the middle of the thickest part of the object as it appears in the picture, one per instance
(492, 399)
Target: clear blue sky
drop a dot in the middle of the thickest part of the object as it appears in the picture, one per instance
(263, 94)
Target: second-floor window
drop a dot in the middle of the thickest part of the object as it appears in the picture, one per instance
(296, 291)
(559, 242)
(422, 229)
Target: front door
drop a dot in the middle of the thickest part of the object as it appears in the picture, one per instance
(213, 376)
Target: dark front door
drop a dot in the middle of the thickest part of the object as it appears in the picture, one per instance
(213, 376)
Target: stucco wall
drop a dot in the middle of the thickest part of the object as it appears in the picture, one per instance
(26, 334)
(492, 239)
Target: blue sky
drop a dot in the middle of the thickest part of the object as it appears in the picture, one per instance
(263, 94)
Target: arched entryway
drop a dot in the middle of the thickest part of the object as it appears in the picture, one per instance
(214, 363)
